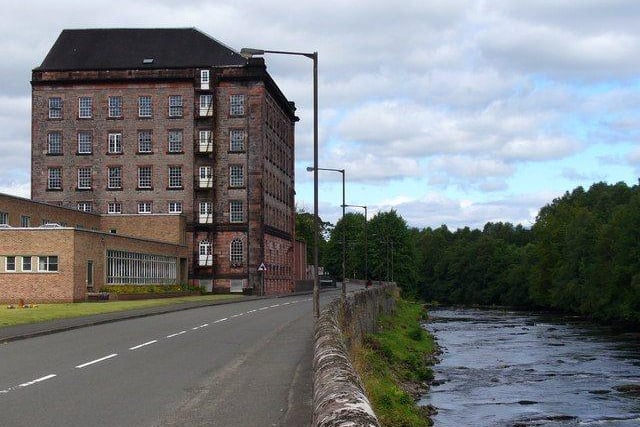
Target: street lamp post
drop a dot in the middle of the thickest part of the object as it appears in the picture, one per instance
(344, 244)
(250, 52)
(366, 251)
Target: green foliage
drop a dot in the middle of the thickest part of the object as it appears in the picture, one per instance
(305, 231)
(395, 355)
(148, 289)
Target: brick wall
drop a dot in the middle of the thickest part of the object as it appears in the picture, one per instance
(164, 228)
(17, 207)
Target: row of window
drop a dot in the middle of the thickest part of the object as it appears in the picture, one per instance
(236, 212)
(26, 264)
(175, 142)
(114, 178)
(236, 253)
(115, 109)
(138, 269)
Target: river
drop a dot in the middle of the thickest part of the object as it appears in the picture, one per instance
(503, 368)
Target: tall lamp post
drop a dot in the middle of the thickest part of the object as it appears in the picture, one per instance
(366, 251)
(344, 244)
(250, 52)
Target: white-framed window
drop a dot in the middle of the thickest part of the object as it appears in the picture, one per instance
(26, 263)
(175, 106)
(145, 107)
(10, 263)
(236, 211)
(114, 208)
(85, 206)
(206, 105)
(124, 267)
(54, 179)
(145, 141)
(175, 176)
(204, 79)
(85, 107)
(85, 142)
(55, 108)
(115, 143)
(206, 212)
(204, 252)
(236, 252)
(25, 221)
(4, 218)
(48, 263)
(84, 178)
(54, 143)
(115, 106)
(236, 176)
(145, 207)
(115, 177)
(236, 105)
(236, 140)
(145, 176)
(205, 141)
(205, 176)
(175, 141)
(175, 207)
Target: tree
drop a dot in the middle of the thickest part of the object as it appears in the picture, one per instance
(305, 231)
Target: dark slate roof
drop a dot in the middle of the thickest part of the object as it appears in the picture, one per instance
(109, 49)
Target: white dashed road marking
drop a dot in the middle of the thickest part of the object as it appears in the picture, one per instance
(176, 334)
(143, 344)
(46, 377)
(220, 320)
(96, 361)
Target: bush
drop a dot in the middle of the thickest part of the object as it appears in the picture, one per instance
(148, 289)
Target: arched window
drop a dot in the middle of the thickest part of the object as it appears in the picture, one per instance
(205, 253)
(236, 252)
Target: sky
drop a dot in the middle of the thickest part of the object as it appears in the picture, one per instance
(450, 112)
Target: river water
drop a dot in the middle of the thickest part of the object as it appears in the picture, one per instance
(502, 368)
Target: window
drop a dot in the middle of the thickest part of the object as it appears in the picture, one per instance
(144, 177)
(10, 263)
(125, 267)
(4, 218)
(175, 176)
(84, 178)
(204, 79)
(236, 213)
(205, 141)
(145, 207)
(145, 141)
(85, 145)
(236, 140)
(26, 263)
(175, 141)
(48, 263)
(206, 105)
(115, 106)
(204, 252)
(85, 206)
(25, 221)
(54, 143)
(236, 176)
(236, 253)
(236, 105)
(114, 208)
(205, 176)
(115, 143)
(85, 107)
(115, 177)
(175, 207)
(54, 181)
(206, 213)
(175, 106)
(55, 108)
(145, 109)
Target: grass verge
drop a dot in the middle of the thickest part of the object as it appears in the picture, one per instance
(44, 312)
(394, 366)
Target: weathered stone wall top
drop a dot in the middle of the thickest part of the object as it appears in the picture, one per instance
(339, 398)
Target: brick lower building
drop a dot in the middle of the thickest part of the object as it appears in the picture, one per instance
(138, 122)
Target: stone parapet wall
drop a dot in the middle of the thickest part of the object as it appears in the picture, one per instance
(339, 398)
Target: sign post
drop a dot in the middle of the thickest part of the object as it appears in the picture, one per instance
(261, 270)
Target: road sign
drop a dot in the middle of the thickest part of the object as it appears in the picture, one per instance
(262, 267)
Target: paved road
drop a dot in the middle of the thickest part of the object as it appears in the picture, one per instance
(242, 364)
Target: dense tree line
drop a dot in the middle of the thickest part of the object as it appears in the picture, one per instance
(582, 255)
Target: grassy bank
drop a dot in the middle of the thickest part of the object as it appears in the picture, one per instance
(44, 312)
(393, 365)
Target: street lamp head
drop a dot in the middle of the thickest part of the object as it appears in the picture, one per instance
(310, 168)
(248, 52)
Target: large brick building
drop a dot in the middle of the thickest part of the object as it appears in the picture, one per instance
(170, 121)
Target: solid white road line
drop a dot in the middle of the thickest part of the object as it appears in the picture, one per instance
(96, 361)
(46, 377)
(143, 344)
